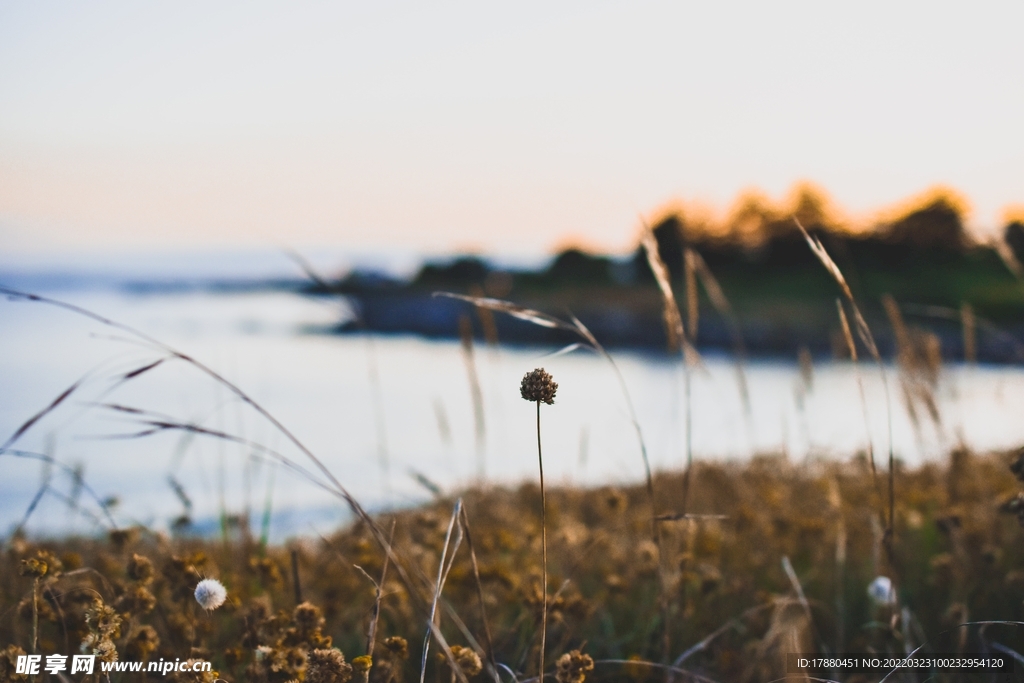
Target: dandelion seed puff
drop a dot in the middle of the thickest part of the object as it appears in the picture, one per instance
(211, 594)
(881, 591)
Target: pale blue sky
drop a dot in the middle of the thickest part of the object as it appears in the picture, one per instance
(501, 128)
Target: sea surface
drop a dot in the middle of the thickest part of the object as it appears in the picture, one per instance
(393, 419)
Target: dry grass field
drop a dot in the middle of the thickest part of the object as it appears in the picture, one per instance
(777, 558)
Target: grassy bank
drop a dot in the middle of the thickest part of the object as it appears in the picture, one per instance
(776, 558)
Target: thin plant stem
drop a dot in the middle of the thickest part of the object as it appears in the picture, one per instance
(442, 576)
(480, 596)
(689, 436)
(35, 614)
(371, 636)
(543, 551)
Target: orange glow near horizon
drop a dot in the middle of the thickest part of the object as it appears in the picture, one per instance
(745, 218)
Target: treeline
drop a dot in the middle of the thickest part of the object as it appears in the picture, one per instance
(921, 256)
(761, 236)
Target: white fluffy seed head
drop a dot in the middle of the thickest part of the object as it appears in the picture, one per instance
(211, 594)
(882, 592)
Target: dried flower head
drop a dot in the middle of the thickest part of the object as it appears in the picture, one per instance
(361, 664)
(572, 667)
(307, 617)
(467, 659)
(103, 620)
(328, 666)
(143, 643)
(35, 568)
(397, 647)
(104, 649)
(140, 569)
(538, 386)
(211, 594)
(136, 600)
(9, 664)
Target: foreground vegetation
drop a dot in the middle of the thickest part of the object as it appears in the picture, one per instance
(777, 558)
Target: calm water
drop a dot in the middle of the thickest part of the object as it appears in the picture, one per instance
(379, 412)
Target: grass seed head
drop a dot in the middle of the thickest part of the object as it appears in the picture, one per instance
(538, 386)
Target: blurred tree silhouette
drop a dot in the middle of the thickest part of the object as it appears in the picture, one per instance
(576, 266)
(462, 272)
(1013, 234)
(937, 226)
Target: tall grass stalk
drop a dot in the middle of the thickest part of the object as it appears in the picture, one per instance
(492, 663)
(868, 339)
(377, 395)
(851, 348)
(371, 634)
(79, 484)
(970, 334)
(267, 508)
(443, 567)
(479, 426)
(677, 341)
(715, 293)
(35, 614)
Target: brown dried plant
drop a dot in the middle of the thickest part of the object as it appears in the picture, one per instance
(539, 387)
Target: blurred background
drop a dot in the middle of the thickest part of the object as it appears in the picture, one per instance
(277, 190)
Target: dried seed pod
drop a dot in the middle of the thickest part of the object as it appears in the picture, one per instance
(538, 386)
(33, 567)
(572, 667)
(140, 569)
(307, 617)
(397, 647)
(467, 659)
(328, 666)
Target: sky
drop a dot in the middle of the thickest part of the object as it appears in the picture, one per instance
(499, 128)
